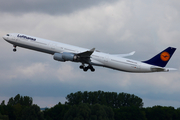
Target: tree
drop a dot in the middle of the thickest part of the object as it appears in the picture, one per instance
(9, 111)
(129, 113)
(17, 109)
(17, 99)
(57, 112)
(3, 103)
(4, 117)
(111, 99)
(16, 105)
(102, 112)
(26, 101)
(11, 101)
(86, 112)
(162, 113)
(32, 113)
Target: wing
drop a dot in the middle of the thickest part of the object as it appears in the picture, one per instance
(124, 55)
(86, 54)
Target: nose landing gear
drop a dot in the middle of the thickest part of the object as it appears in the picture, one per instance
(14, 48)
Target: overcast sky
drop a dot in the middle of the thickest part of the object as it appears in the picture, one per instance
(111, 26)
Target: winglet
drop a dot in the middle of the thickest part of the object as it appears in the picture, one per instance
(132, 53)
(92, 50)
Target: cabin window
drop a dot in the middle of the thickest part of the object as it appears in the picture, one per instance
(7, 34)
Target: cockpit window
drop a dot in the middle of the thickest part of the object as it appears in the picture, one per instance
(7, 34)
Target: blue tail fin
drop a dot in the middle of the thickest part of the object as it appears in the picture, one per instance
(162, 58)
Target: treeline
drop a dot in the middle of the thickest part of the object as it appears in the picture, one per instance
(20, 108)
(96, 105)
(111, 99)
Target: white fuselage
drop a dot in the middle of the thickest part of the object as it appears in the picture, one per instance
(97, 58)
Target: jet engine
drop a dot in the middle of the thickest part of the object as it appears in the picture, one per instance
(65, 56)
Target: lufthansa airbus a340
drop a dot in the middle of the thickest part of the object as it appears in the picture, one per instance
(91, 57)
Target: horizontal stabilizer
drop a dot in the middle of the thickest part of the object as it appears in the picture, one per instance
(160, 69)
(171, 69)
(157, 69)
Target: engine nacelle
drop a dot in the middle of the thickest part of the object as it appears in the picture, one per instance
(65, 56)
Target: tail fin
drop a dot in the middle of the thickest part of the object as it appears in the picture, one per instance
(162, 58)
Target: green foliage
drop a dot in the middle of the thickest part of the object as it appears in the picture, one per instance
(4, 117)
(32, 113)
(7, 111)
(129, 113)
(17, 109)
(57, 112)
(25, 101)
(84, 111)
(96, 105)
(111, 99)
(3, 103)
(20, 108)
(162, 113)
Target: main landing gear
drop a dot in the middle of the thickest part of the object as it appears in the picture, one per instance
(86, 68)
(14, 48)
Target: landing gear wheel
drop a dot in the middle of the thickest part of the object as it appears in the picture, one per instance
(85, 69)
(81, 66)
(14, 50)
(92, 69)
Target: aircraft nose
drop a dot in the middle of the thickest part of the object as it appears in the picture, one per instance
(4, 37)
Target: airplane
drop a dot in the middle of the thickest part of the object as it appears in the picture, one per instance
(91, 57)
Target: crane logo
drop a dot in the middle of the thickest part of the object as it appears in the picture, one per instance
(165, 56)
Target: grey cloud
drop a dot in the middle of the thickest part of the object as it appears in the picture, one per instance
(48, 6)
(27, 87)
(115, 28)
